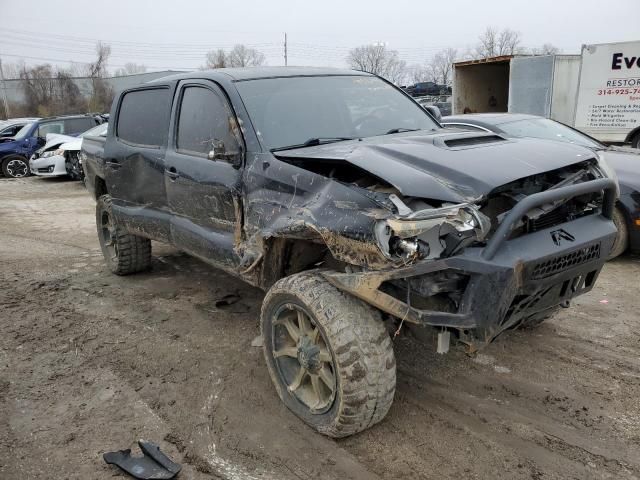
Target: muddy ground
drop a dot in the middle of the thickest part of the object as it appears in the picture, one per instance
(90, 362)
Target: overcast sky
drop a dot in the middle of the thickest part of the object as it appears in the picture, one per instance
(170, 34)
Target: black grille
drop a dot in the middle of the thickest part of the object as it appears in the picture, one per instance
(563, 262)
(555, 217)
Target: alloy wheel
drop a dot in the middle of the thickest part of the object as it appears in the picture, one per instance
(303, 359)
(17, 168)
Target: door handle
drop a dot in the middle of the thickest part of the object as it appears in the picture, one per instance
(172, 173)
(112, 164)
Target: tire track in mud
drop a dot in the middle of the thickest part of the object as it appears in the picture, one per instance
(155, 339)
(140, 364)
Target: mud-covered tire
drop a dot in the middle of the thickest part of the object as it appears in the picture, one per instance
(621, 243)
(124, 253)
(360, 347)
(15, 166)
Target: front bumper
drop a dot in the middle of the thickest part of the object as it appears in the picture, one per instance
(509, 279)
(53, 166)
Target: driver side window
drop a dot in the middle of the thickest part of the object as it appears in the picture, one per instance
(206, 123)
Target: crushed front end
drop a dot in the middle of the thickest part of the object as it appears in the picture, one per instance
(481, 268)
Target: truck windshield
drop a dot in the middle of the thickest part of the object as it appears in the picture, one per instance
(291, 111)
(549, 130)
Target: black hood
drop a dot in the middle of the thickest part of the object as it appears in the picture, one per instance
(448, 165)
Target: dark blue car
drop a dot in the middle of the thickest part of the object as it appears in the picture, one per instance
(16, 151)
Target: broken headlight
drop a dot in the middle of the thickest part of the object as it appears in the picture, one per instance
(432, 232)
(52, 153)
(608, 171)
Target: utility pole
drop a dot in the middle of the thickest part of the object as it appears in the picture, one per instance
(285, 49)
(4, 91)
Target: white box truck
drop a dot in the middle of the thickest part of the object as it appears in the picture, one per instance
(608, 104)
(598, 91)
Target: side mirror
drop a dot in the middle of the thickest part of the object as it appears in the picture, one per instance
(435, 111)
(218, 152)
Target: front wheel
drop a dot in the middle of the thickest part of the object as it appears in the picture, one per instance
(15, 166)
(328, 354)
(621, 242)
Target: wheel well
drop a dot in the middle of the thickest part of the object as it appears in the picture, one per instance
(285, 256)
(632, 134)
(100, 187)
(11, 155)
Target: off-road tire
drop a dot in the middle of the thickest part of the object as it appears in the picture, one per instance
(360, 346)
(132, 254)
(621, 243)
(10, 158)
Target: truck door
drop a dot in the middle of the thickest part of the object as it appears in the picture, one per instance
(202, 172)
(134, 161)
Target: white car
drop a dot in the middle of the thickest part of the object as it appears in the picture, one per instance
(60, 155)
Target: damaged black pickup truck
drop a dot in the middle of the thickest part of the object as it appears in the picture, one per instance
(355, 211)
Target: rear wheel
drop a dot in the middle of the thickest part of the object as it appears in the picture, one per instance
(621, 242)
(125, 253)
(15, 166)
(635, 141)
(329, 355)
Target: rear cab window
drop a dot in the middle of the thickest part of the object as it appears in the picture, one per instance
(143, 117)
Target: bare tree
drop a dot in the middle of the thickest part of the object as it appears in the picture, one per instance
(130, 69)
(508, 42)
(487, 43)
(379, 60)
(217, 59)
(242, 56)
(441, 66)
(417, 73)
(50, 92)
(545, 49)
(98, 68)
(493, 43)
(102, 92)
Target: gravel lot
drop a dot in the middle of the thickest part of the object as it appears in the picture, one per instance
(90, 362)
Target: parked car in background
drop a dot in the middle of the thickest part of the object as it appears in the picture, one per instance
(427, 88)
(624, 161)
(60, 155)
(10, 127)
(15, 151)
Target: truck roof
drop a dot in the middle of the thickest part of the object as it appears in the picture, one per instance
(254, 73)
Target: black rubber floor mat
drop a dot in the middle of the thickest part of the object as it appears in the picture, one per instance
(153, 465)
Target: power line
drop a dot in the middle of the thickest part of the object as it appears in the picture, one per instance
(48, 59)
